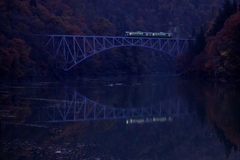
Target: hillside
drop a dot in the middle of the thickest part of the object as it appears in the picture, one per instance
(22, 51)
(216, 52)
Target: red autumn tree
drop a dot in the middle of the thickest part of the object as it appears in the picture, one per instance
(223, 50)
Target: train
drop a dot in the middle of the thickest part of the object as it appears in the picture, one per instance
(148, 34)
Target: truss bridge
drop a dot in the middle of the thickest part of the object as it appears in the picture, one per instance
(73, 49)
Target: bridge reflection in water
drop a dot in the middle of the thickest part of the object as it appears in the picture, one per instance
(76, 107)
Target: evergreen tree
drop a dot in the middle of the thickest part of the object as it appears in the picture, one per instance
(33, 3)
(234, 7)
(201, 40)
(223, 14)
(200, 43)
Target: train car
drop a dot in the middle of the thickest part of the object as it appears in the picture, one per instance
(148, 34)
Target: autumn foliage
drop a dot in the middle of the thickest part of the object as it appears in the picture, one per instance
(24, 22)
(223, 50)
(218, 55)
(15, 61)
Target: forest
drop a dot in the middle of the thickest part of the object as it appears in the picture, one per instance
(214, 24)
(215, 54)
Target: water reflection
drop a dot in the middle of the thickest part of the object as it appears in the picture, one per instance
(79, 108)
(137, 118)
(223, 110)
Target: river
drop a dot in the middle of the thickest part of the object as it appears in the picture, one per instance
(146, 117)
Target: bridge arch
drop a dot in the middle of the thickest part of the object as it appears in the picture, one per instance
(74, 49)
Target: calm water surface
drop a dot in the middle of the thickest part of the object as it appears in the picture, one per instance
(150, 117)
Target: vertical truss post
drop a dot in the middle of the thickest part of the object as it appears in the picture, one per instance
(74, 48)
(84, 47)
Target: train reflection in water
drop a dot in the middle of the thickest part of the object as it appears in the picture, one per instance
(149, 120)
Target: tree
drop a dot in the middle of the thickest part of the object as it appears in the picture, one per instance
(33, 3)
(223, 49)
(5, 63)
(103, 26)
(200, 42)
(21, 63)
(223, 14)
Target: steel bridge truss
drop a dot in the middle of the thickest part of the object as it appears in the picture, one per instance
(71, 50)
(79, 108)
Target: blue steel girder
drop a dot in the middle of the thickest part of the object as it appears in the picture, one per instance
(79, 108)
(73, 49)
